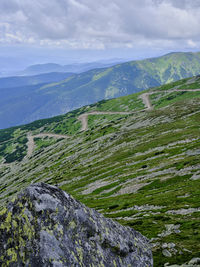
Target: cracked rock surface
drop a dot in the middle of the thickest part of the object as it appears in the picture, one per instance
(44, 226)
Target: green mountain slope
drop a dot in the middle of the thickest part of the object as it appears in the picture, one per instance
(173, 66)
(140, 167)
(92, 86)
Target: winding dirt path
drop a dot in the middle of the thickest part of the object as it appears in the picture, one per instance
(83, 118)
(31, 144)
(146, 100)
(182, 90)
(175, 90)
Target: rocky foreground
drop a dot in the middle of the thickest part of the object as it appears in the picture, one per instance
(44, 226)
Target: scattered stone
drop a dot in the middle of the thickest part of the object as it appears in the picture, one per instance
(186, 250)
(44, 226)
(170, 229)
(154, 245)
(94, 186)
(195, 261)
(171, 245)
(193, 152)
(183, 211)
(166, 253)
(184, 196)
(128, 189)
(139, 208)
(164, 245)
(147, 207)
(195, 177)
(168, 245)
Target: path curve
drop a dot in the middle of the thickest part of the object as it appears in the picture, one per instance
(31, 144)
(146, 100)
(83, 118)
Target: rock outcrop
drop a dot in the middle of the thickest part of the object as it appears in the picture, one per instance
(44, 226)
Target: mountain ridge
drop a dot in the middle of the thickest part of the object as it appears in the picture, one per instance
(95, 85)
(73, 67)
(18, 81)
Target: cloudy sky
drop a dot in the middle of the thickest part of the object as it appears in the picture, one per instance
(147, 27)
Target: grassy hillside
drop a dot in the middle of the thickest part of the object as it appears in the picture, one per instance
(173, 66)
(95, 85)
(141, 169)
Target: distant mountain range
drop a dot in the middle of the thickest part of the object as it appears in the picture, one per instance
(75, 68)
(18, 81)
(53, 67)
(28, 103)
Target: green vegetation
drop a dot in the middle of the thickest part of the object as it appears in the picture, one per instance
(44, 142)
(63, 124)
(43, 101)
(140, 169)
(161, 100)
(14, 148)
(124, 103)
(108, 123)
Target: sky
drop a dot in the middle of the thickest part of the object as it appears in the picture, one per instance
(88, 30)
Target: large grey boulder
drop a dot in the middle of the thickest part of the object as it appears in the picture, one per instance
(44, 226)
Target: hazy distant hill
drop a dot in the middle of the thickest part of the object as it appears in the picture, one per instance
(75, 68)
(94, 85)
(16, 81)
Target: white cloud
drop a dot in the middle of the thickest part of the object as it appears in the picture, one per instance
(100, 24)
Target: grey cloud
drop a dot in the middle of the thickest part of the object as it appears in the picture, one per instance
(8, 7)
(161, 20)
(183, 4)
(89, 23)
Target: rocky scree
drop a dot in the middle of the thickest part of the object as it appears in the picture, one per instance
(44, 226)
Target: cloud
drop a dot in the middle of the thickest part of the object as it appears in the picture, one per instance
(100, 24)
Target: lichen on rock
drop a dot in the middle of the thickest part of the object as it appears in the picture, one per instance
(44, 226)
